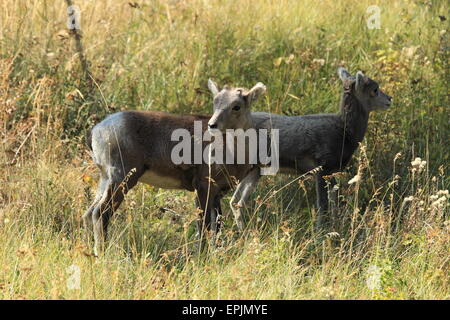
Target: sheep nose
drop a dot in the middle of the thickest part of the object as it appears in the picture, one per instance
(212, 126)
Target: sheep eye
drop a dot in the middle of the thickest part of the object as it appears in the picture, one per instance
(236, 108)
(374, 93)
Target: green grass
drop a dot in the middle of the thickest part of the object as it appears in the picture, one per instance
(158, 57)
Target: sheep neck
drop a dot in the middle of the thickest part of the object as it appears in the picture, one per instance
(354, 116)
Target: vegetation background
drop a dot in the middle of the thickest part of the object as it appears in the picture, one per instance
(391, 238)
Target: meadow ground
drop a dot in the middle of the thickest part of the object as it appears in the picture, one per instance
(391, 237)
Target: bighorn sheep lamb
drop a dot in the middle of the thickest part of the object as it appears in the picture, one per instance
(132, 146)
(327, 141)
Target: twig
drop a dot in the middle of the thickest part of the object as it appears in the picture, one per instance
(79, 48)
(22, 144)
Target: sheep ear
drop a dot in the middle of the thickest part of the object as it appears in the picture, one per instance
(257, 91)
(360, 81)
(344, 75)
(212, 86)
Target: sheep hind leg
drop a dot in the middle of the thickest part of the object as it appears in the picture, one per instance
(215, 219)
(218, 215)
(114, 191)
(87, 216)
(208, 213)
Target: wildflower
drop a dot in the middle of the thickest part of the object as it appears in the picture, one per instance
(332, 235)
(443, 193)
(355, 179)
(408, 199)
(394, 180)
(440, 202)
(418, 164)
(289, 59)
(277, 61)
(409, 52)
(320, 62)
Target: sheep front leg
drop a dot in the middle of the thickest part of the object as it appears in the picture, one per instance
(333, 201)
(326, 198)
(216, 215)
(322, 201)
(240, 196)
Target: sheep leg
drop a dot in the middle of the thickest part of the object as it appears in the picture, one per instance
(240, 196)
(216, 218)
(322, 201)
(325, 195)
(333, 199)
(114, 191)
(215, 213)
(87, 216)
(205, 202)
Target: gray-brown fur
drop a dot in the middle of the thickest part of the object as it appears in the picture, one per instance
(232, 111)
(232, 106)
(134, 146)
(325, 140)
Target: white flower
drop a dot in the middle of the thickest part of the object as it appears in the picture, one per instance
(443, 193)
(355, 179)
(319, 61)
(439, 202)
(418, 164)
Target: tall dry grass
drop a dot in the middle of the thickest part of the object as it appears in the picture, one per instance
(391, 238)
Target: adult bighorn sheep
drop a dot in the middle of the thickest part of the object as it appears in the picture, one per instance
(133, 146)
(327, 141)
